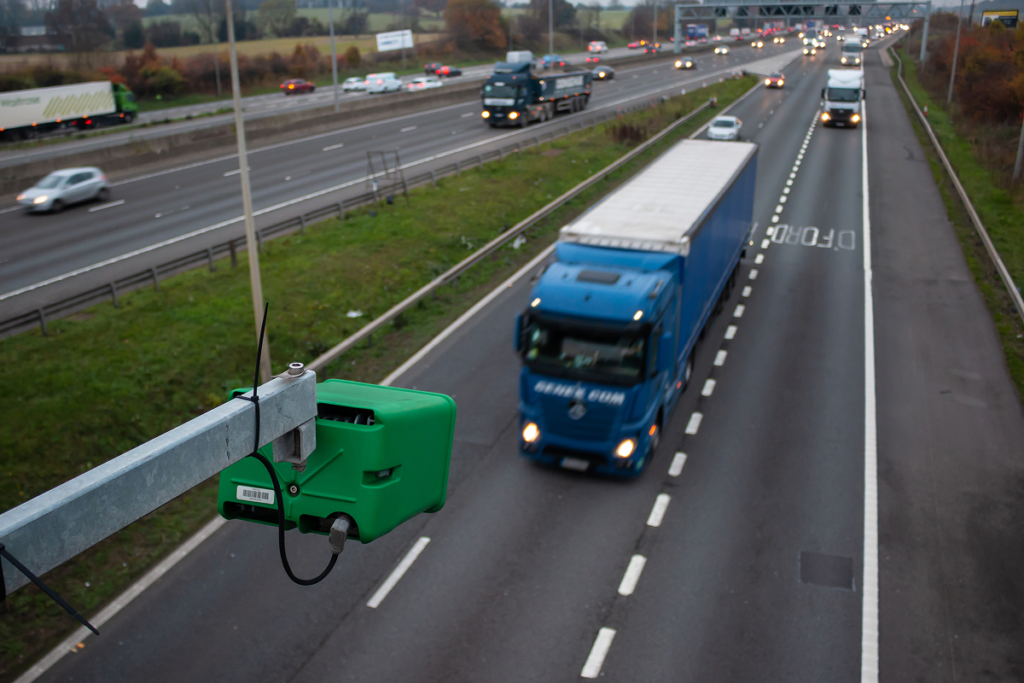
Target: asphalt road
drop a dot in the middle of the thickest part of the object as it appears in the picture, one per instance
(155, 207)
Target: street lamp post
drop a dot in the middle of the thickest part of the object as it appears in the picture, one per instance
(250, 225)
(334, 55)
(551, 30)
(956, 51)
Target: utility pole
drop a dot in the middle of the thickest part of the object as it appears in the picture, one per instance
(551, 30)
(924, 36)
(654, 25)
(213, 41)
(1020, 153)
(250, 225)
(334, 55)
(956, 51)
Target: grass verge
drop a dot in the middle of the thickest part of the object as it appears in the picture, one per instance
(109, 379)
(1002, 217)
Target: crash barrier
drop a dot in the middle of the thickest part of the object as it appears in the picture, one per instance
(42, 316)
(1004, 274)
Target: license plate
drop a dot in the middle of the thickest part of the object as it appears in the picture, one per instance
(575, 464)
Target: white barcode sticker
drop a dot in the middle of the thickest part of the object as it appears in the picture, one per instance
(265, 496)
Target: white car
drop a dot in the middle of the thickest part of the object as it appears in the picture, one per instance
(65, 187)
(721, 50)
(383, 82)
(725, 128)
(423, 83)
(597, 47)
(354, 84)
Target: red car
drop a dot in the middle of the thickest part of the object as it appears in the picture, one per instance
(295, 85)
(776, 80)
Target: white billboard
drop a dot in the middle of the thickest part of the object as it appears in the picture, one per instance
(394, 40)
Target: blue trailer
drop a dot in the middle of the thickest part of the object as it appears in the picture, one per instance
(608, 336)
(696, 31)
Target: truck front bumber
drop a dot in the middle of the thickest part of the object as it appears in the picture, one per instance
(584, 422)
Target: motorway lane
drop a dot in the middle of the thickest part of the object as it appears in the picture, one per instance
(521, 566)
(169, 204)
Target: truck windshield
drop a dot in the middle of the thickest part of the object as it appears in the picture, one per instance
(505, 91)
(843, 94)
(851, 47)
(586, 354)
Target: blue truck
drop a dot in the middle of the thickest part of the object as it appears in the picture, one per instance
(696, 31)
(608, 336)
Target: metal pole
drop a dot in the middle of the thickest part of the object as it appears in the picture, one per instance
(402, 8)
(213, 41)
(250, 225)
(924, 37)
(956, 51)
(334, 55)
(654, 26)
(551, 30)
(1020, 154)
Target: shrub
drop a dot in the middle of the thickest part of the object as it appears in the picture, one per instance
(352, 57)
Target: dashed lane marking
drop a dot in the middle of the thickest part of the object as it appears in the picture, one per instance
(738, 313)
(661, 502)
(676, 468)
(709, 387)
(759, 259)
(328, 148)
(119, 202)
(398, 573)
(730, 331)
(720, 358)
(632, 575)
(603, 642)
(747, 290)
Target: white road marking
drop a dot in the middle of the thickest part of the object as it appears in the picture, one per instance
(694, 424)
(778, 209)
(398, 573)
(753, 274)
(661, 502)
(792, 175)
(730, 332)
(709, 387)
(13, 208)
(738, 313)
(759, 259)
(747, 290)
(592, 669)
(775, 218)
(235, 172)
(764, 245)
(789, 182)
(632, 575)
(328, 148)
(782, 199)
(720, 358)
(869, 611)
(785, 190)
(468, 113)
(119, 202)
(677, 464)
(408, 128)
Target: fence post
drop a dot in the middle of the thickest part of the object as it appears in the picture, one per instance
(209, 257)
(259, 241)
(234, 253)
(458, 169)
(156, 279)
(42, 322)
(302, 223)
(519, 148)
(341, 211)
(433, 179)
(501, 154)
(113, 294)
(480, 159)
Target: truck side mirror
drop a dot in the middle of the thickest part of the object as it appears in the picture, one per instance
(665, 347)
(382, 457)
(518, 342)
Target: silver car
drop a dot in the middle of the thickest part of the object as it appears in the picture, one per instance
(65, 187)
(725, 128)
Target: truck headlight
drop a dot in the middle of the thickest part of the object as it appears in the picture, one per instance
(825, 116)
(855, 118)
(513, 115)
(843, 60)
(485, 114)
(531, 432)
(857, 61)
(40, 200)
(626, 448)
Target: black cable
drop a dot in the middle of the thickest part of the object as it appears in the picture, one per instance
(255, 400)
(46, 589)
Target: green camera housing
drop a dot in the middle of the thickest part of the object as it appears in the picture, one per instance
(382, 457)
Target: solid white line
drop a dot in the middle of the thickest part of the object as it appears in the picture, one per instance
(709, 387)
(328, 148)
(747, 290)
(408, 128)
(677, 464)
(752, 274)
(660, 505)
(464, 318)
(730, 332)
(13, 208)
(759, 259)
(632, 575)
(119, 202)
(738, 313)
(398, 573)
(869, 613)
(592, 669)
(122, 600)
(694, 424)
(720, 358)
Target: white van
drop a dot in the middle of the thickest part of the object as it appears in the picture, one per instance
(384, 82)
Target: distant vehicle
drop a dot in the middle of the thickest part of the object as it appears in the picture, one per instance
(734, 32)
(297, 85)
(685, 63)
(696, 31)
(513, 96)
(593, 59)
(652, 48)
(597, 47)
(432, 68)
(354, 84)
(603, 73)
(382, 83)
(634, 45)
(721, 50)
(810, 50)
(778, 40)
(519, 56)
(725, 128)
(607, 336)
(423, 83)
(551, 61)
(449, 71)
(809, 36)
(758, 44)
(63, 188)
(27, 113)
(775, 80)
(850, 55)
(843, 98)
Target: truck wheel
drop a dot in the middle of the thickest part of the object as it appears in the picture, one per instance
(129, 117)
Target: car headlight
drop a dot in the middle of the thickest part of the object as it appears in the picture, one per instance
(855, 118)
(531, 432)
(626, 448)
(767, 81)
(825, 116)
(485, 114)
(678, 64)
(40, 200)
(782, 83)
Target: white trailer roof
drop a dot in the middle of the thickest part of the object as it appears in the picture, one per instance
(660, 206)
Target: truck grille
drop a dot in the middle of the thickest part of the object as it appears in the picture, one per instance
(596, 425)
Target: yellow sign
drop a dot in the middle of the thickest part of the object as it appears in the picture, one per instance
(1007, 16)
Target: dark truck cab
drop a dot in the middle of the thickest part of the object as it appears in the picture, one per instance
(514, 96)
